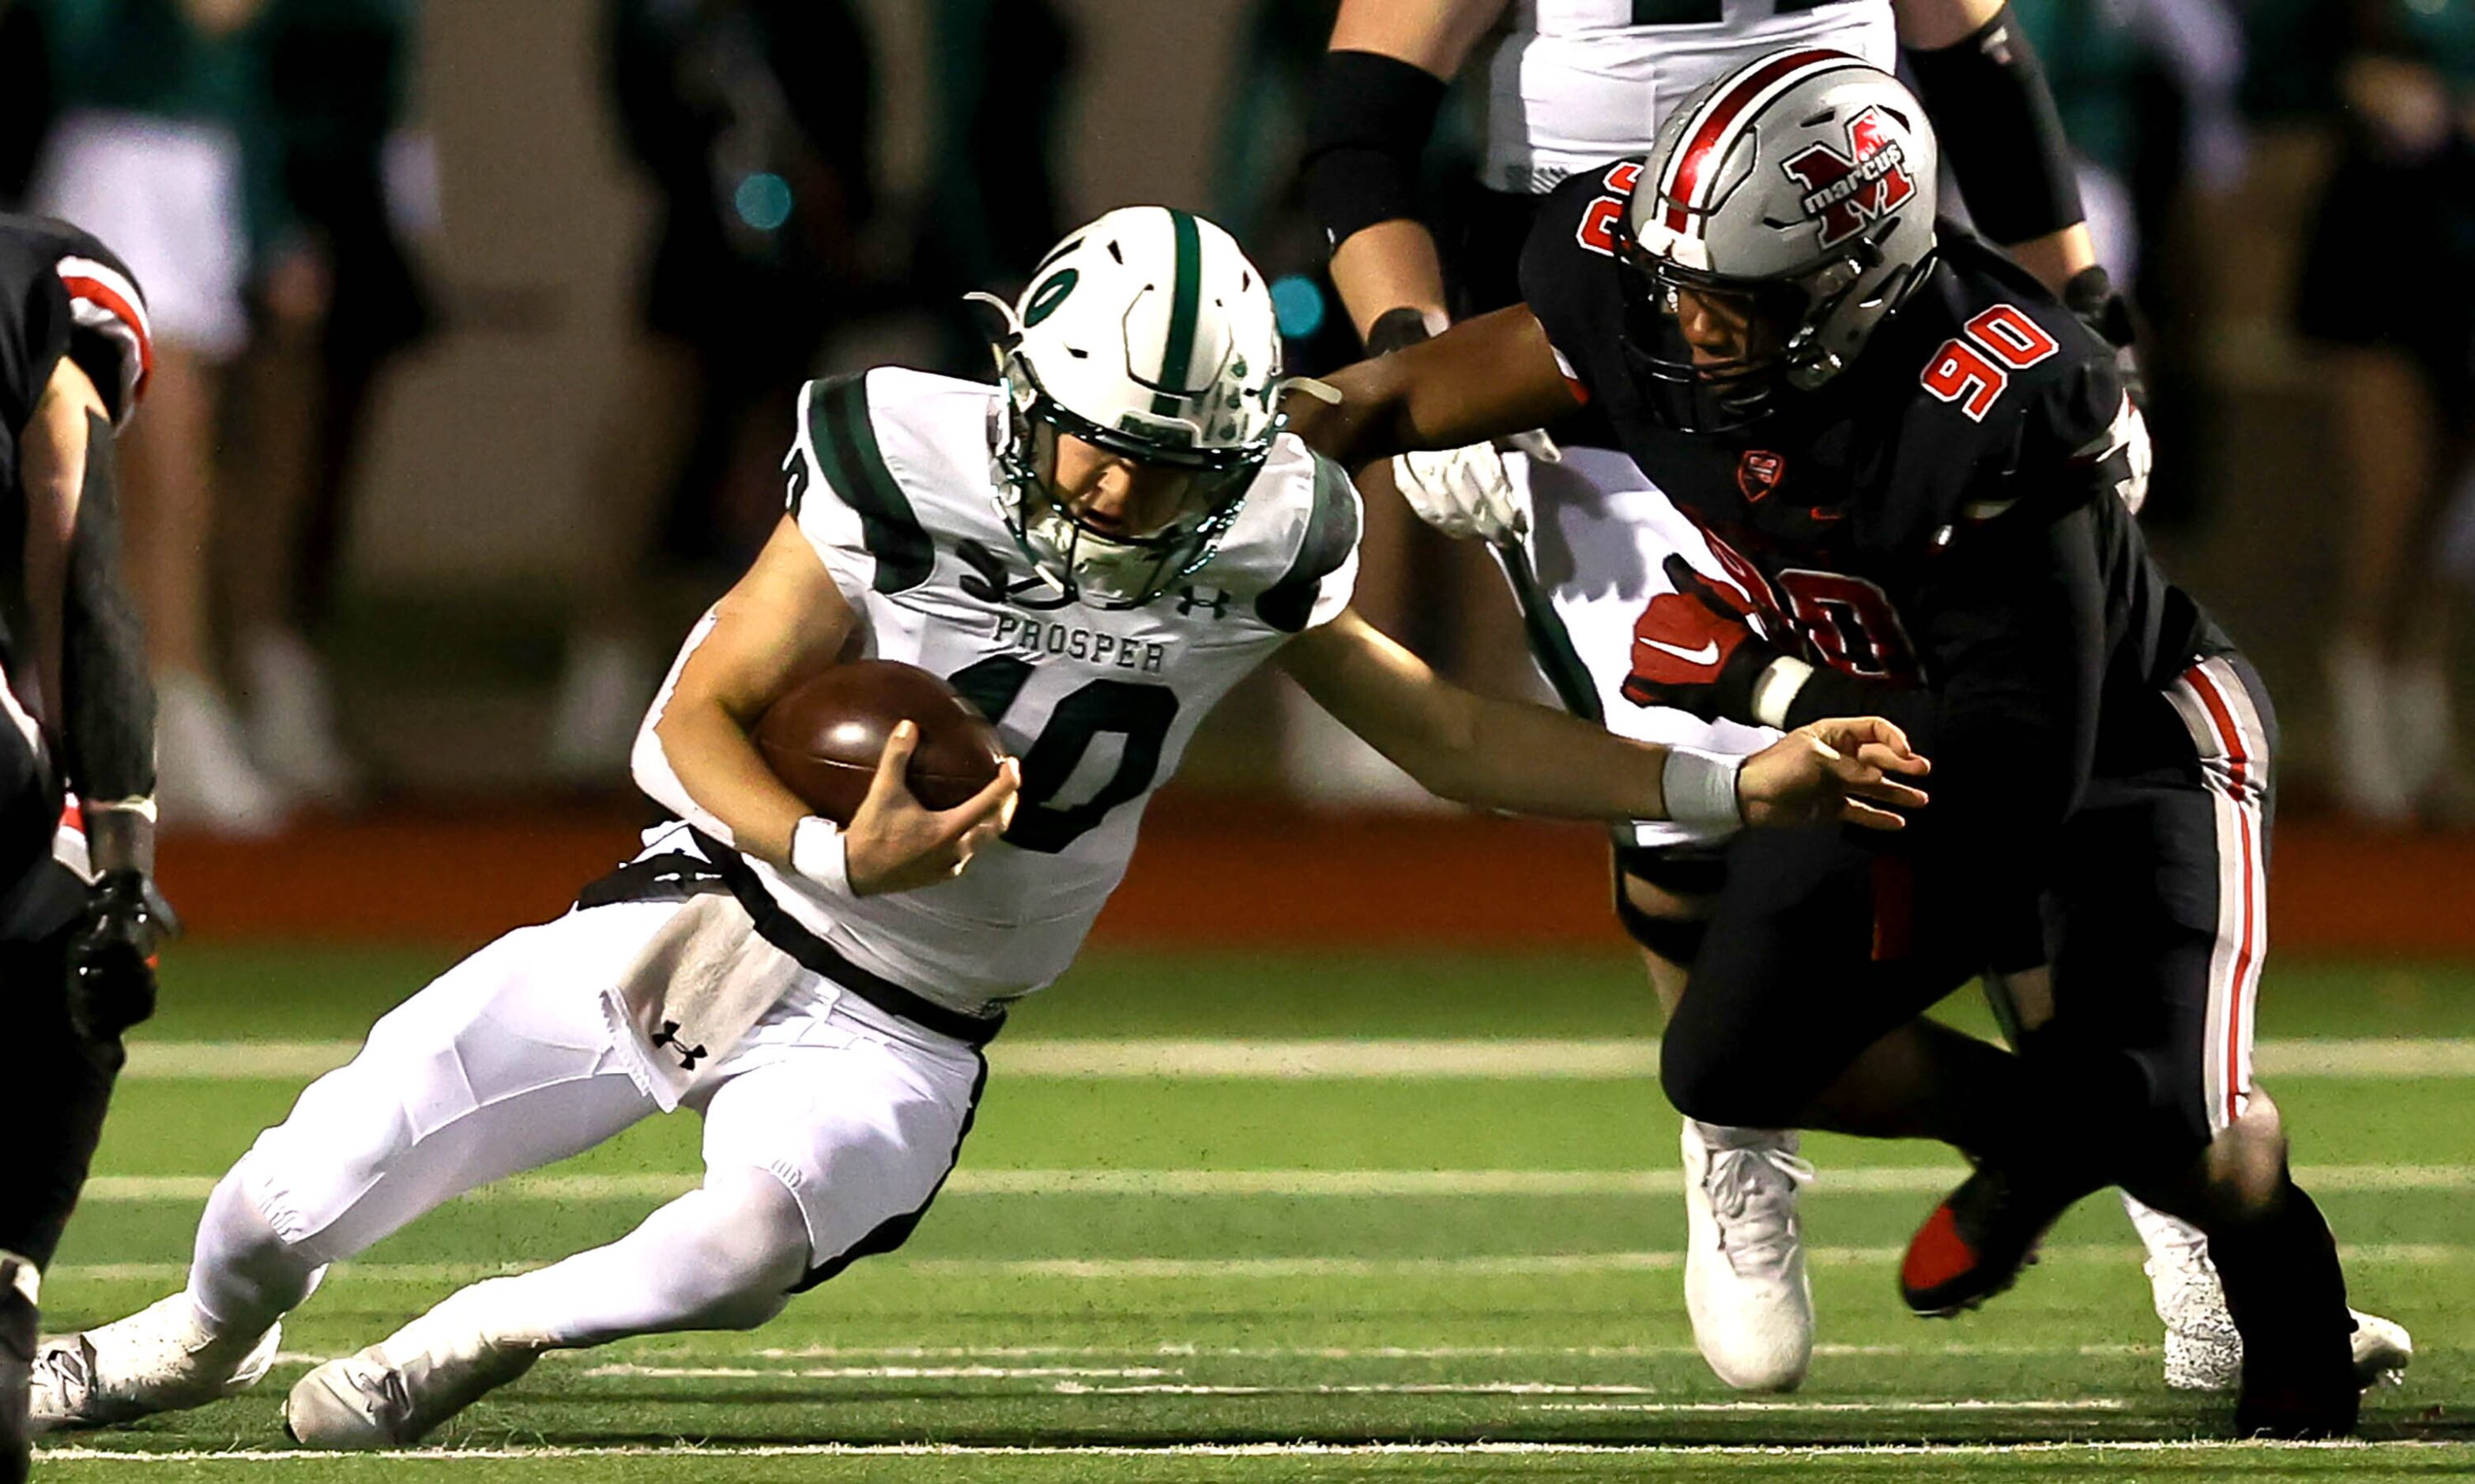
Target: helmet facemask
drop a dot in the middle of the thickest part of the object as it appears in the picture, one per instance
(1192, 498)
(1713, 353)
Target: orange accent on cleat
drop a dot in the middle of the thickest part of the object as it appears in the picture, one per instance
(1936, 1255)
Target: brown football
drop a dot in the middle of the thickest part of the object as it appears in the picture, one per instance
(822, 738)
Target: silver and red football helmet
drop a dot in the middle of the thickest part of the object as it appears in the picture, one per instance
(1785, 209)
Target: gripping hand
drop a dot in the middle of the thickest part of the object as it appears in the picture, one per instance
(1468, 492)
(1698, 649)
(111, 953)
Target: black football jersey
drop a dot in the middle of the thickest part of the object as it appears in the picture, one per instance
(1938, 529)
(62, 293)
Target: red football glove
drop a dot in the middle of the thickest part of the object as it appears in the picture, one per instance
(1698, 649)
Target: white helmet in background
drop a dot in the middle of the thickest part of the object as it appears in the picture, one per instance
(1795, 195)
(1146, 333)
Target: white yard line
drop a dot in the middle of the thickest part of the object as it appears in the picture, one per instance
(1121, 1269)
(2079, 1404)
(89, 1455)
(1520, 1059)
(1858, 1180)
(1065, 1374)
(983, 1353)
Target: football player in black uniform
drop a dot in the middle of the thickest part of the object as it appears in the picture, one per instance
(1909, 466)
(79, 915)
(1570, 85)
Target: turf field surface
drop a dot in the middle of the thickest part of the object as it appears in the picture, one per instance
(1312, 1217)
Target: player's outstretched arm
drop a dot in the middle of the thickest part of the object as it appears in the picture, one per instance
(1981, 81)
(782, 623)
(1487, 378)
(1514, 755)
(1376, 97)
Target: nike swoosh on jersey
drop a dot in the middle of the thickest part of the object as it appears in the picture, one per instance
(1708, 652)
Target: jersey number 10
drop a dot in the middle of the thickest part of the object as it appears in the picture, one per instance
(1140, 714)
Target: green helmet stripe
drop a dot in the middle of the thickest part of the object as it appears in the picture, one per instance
(1184, 303)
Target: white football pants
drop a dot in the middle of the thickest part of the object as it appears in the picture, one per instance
(509, 1062)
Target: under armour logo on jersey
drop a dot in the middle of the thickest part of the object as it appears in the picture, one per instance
(989, 581)
(1190, 598)
(1845, 191)
(689, 1056)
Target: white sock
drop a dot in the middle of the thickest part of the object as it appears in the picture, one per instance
(244, 1276)
(722, 1256)
(2179, 1254)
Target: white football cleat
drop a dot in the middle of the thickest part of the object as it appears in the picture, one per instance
(600, 700)
(2383, 1350)
(160, 1359)
(395, 1393)
(202, 774)
(291, 719)
(1745, 1284)
(2203, 1351)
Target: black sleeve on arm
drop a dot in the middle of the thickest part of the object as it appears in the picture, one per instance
(2013, 641)
(1996, 118)
(1365, 137)
(107, 704)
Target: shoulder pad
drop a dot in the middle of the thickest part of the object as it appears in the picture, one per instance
(838, 444)
(111, 336)
(1327, 538)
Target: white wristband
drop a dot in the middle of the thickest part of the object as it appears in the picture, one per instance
(1700, 788)
(1775, 689)
(819, 852)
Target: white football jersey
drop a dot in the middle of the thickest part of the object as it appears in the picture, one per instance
(1578, 82)
(892, 480)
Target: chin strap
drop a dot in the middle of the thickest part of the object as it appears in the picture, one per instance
(1321, 391)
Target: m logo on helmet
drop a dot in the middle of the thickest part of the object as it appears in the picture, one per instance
(1843, 192)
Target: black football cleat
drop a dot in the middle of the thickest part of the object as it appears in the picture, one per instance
(1976, 1241)
(2298, 1408)
(18, 1326)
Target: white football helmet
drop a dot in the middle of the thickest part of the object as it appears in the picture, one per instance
(1146, 333)
(1789, 201)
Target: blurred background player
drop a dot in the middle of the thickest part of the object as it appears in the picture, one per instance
(1572, 85)
(752, 119)
(335, 300)
(156, 143)
(2387, 291)
(79, 916)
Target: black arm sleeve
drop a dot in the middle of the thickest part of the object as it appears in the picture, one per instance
(1996, 118)
(108, 705)
(1366, 138)
(2014, 642)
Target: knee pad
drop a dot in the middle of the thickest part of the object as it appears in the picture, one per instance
(749, 1248)
(245, 1274)
(1719, 1089)
(1684, 872)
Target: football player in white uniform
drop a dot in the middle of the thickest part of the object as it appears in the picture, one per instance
(1582, 535)
(1094, 550)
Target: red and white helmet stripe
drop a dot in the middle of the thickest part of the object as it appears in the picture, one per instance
(102, 300)
(1690, 183)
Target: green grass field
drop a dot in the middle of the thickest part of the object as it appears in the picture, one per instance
(1173, 1251)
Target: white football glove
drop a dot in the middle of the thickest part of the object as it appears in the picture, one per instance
(1467, 492)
